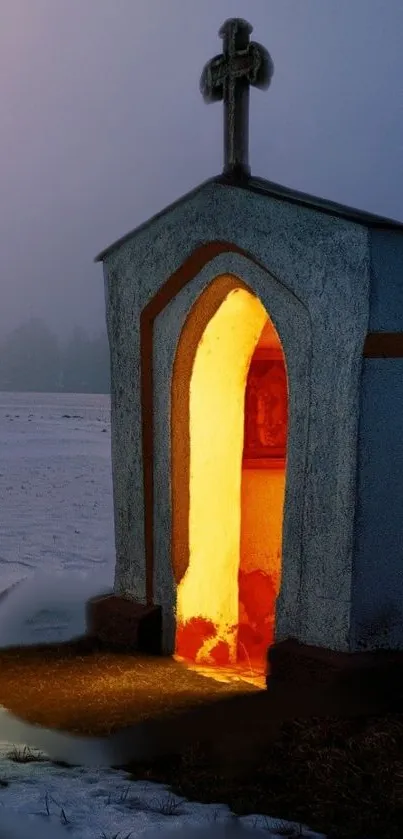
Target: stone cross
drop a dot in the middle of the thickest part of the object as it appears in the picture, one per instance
(228, 77)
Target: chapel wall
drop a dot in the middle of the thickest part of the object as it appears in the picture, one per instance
(377, 614)
(123, 327)
(386, 290)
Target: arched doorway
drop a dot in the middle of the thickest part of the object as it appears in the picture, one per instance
(229, 429)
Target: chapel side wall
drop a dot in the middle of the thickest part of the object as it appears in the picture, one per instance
(377, 611)
(123, 326)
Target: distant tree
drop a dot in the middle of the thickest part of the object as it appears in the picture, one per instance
(100, 364)
(75, 362)
(30, 358)
(85, 364)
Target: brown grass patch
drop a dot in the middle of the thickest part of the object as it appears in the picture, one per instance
(341, 777)
(87, 691)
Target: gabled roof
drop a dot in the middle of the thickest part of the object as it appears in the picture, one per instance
(293, 196)
(151, 220)
(272, 190)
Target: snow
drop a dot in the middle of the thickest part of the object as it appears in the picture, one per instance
(56, 536)
(55, 485)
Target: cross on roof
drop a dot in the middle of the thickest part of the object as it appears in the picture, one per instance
(228, 77)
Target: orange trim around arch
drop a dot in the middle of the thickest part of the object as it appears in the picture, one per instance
(178, 280)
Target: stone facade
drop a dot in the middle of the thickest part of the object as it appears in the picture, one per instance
(311, 270)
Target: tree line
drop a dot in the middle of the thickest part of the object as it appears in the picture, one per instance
(33, 358)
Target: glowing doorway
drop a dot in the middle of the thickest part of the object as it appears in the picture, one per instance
(231, 563)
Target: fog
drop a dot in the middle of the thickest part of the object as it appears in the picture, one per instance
(102, 125)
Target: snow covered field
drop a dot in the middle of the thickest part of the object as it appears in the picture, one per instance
(55, 484)
(56, 531)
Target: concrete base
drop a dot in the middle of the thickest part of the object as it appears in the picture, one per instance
(376, 676)
(120, 623)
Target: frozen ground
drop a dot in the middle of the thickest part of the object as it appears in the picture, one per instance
(56, 531)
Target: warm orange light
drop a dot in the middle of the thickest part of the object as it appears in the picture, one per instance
(207, 596)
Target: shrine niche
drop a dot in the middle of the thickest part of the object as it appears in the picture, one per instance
(266, 406)
(262, 496)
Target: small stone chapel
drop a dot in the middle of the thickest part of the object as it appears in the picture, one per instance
(256, 346)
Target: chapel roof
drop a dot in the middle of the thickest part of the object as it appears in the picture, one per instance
(271, 190)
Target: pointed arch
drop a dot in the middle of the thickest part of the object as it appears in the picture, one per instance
(162, 323)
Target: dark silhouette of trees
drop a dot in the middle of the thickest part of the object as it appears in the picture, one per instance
(30, 358)
(33, 359)
(85, 363)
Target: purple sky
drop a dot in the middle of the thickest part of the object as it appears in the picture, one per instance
(102, 125)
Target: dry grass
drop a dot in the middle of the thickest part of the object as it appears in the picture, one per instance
(82, 690)
(341, 777)
(25, 755)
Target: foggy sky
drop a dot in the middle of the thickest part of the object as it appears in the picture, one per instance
(102, 125)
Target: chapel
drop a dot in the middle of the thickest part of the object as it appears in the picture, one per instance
(256, 348)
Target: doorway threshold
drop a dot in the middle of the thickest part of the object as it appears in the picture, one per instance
(227, 675)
